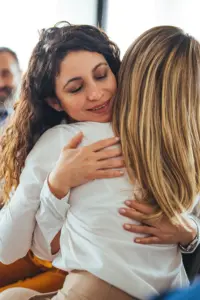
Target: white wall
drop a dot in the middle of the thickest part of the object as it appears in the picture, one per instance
(77, 11)
(21, 19)
(127, 19)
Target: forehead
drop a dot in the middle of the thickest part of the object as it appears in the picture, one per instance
(7, 61)
(78, 62)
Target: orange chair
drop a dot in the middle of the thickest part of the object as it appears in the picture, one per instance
(31, 272)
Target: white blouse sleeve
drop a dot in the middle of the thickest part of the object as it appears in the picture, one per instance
(50, 218)
(17, 219)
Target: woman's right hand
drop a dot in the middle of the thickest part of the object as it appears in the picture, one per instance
(77, 166)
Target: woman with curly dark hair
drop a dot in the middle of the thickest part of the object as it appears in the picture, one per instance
(33, 116)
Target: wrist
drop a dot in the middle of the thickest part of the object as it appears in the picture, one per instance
(56, 189)
(189, 236)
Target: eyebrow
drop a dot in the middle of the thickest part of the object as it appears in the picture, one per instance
(79, 78)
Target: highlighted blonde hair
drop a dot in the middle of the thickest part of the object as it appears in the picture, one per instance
(157, 115)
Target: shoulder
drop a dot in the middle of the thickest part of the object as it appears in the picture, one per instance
(56, 134)
(51, 142)
(94, 131)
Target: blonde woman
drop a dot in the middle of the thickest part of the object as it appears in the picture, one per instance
(160, 137)
(155, 114)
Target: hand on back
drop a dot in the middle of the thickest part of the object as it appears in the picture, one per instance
(77, 166)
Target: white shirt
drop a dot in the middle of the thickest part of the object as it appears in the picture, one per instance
(93, 239)
(17, 218)
(92, 236)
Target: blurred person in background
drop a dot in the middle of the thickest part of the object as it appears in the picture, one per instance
(10, 77)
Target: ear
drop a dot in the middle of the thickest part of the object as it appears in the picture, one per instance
(54, 103)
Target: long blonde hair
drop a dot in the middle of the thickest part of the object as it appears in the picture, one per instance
(157, 116)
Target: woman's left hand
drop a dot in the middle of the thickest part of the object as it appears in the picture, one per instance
(159, 231)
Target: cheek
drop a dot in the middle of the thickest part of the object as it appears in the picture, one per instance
(10, 81)
(113, 85)
(74, 108)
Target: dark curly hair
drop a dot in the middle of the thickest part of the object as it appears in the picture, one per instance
(32, 114)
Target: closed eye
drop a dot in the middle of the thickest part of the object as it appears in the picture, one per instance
(101, 77)
(76, 90)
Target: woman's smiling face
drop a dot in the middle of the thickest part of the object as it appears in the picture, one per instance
(85, 87)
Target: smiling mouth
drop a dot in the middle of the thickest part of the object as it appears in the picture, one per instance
(100, 106)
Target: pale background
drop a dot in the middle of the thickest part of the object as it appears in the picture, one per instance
(21, 19)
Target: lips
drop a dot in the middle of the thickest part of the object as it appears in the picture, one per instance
(99, 107)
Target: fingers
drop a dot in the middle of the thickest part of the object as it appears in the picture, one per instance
(110, 153)
(141, 229)
(149, 240)
(140, 206)
(108, 174)
(104, 144)
(111, 163)
(75, 141)
(137, 216)
(132, 214)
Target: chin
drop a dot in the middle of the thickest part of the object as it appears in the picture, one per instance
(104, 119)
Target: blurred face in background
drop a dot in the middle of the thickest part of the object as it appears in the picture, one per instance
(9, 78)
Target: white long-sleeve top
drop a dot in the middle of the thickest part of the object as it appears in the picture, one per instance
(92, 235)
(17, 218)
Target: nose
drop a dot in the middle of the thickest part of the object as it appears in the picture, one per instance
(94, 93)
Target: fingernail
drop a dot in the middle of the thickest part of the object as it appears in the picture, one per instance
(121, 172)
(127, 226)
(127, 202)
(137, 240)
(122, 210)
(117, 138)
